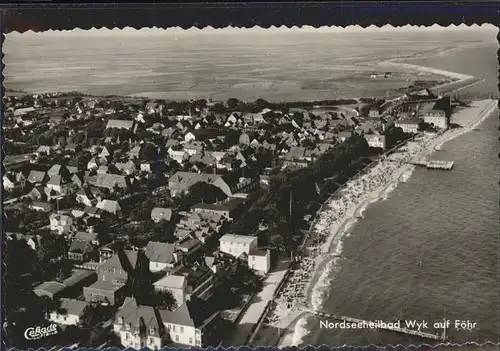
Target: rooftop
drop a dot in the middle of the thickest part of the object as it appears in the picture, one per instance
(240, 239)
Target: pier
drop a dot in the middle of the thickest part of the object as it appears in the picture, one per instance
(434, 164)
(377, 326)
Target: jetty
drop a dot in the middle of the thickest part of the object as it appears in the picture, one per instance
(386, 327)
(434, 164)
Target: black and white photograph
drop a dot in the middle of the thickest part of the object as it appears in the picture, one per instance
(251, 187)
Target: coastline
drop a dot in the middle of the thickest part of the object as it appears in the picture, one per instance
(332, 247)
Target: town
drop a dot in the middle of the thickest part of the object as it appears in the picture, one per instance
(146, 223)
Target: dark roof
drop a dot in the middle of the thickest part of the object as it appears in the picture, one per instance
(229, 205)
(73, 307)
(190, 313)
(80, 246)
(122, 259)
(36, 176)
(133, 314)
(77, 275)
(49, 288)
(160, 252)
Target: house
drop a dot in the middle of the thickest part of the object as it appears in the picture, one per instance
(110, 206)
(374, 112)
(190, 324)
(375, 140)
(408, 125)
(139, 326)
(80, 250)
(41, 206)
(135, 152)
(60, 223)
(189, 245)
(180, 182)
(25, 120)
(58, 170)
(194, 147)
(37, 177)
(88, 236)
(114, 276)
(228, 208)
(23, 111)
(43, 149)
(159, 214)
(127, 168)
(53, 290)
(259, 260)
(59, 184)
(84, 196)
(37, 193)
(297, 156)
(163, 256)
(33, 241)
(72, 312)
(436, 117)
(96, 162)
(120, 124)
(112, 181)
(180, 156)
(9, 182)
(236, 245)
(176, 284)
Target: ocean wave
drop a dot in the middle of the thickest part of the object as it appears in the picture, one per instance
(300, 332)
(405, 177)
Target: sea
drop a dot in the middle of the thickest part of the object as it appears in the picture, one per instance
(427, 250)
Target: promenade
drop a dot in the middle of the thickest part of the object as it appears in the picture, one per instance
(258, 304)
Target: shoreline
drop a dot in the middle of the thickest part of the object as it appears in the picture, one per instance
(329, 249)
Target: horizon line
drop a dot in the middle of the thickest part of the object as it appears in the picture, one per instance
(251, 30)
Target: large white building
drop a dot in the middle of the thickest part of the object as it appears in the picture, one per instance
(375, 140)
(71, 313)
(236, 245)
(186, 325)
(176, 284)
(260, 260)
(437, 118)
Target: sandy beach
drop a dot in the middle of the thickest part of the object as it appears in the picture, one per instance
(338, 215)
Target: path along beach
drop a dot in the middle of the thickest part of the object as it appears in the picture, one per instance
(308, 286)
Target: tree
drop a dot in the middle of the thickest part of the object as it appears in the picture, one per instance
(164, 300)
(206, 193)
(232, 103)
(148, 152)
(244, 281)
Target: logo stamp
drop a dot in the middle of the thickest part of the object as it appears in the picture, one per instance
(35, 333)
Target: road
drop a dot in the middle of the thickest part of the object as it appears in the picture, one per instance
(257, 306)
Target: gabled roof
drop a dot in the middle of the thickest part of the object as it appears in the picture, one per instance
(50, 287)
(85, 236)
(120, 124)
(73, 307)
(106, 180)
(185, 315)
(36, 176)
(164, 213)
(80, 246)
(111, 206)
(172, 281)
(241, 239)
(133, 315)
(123, 259)
(160, 252)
